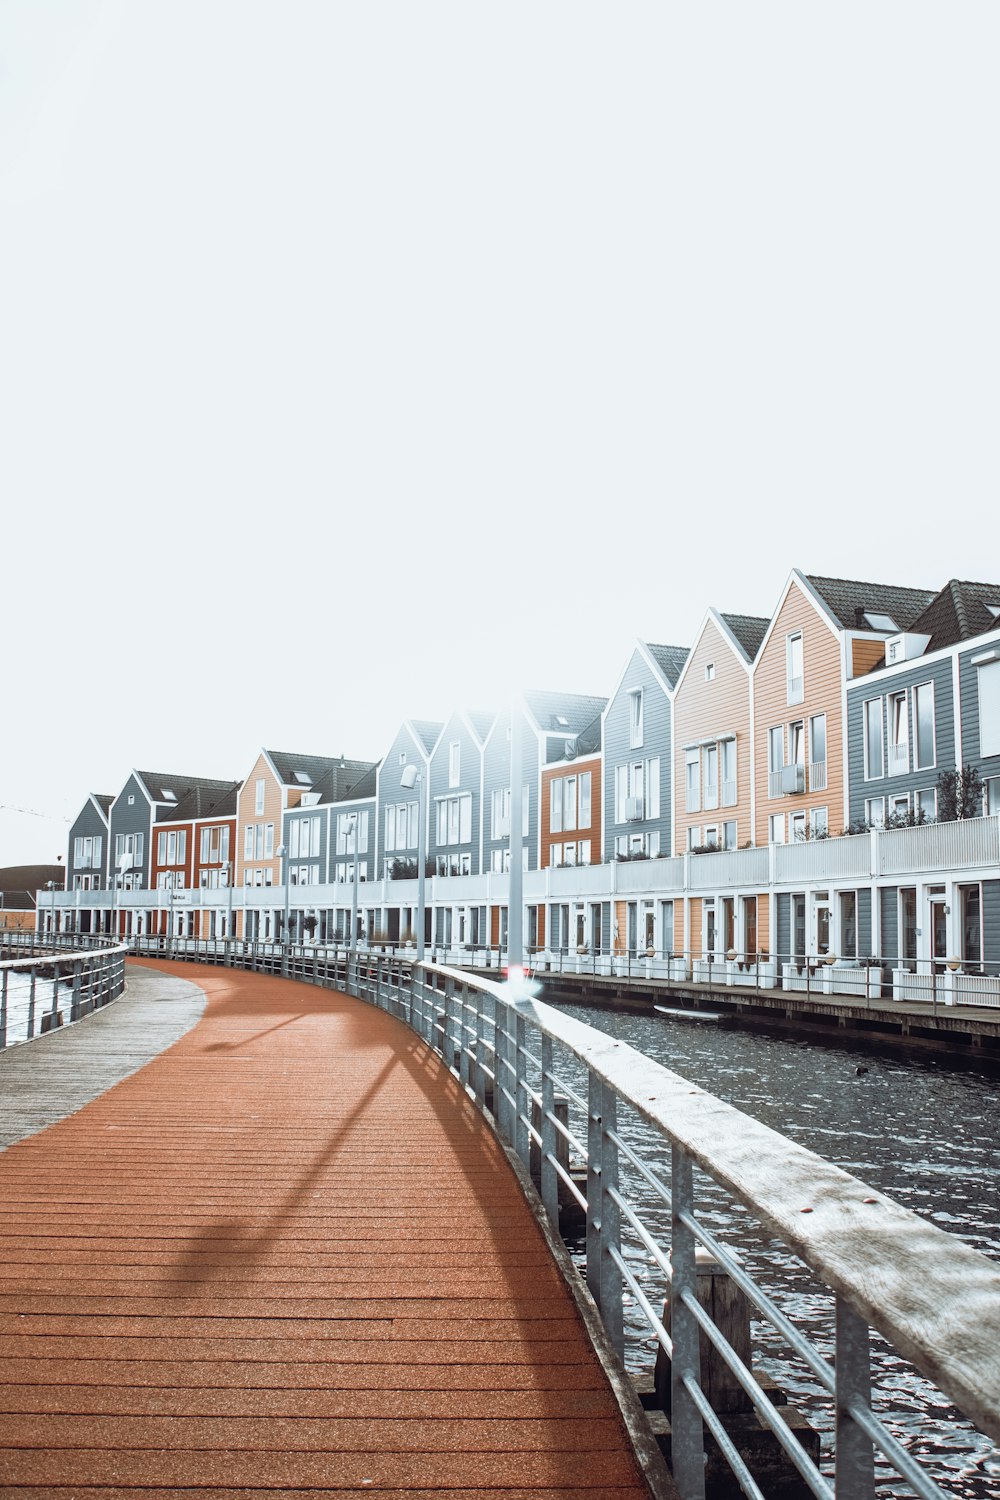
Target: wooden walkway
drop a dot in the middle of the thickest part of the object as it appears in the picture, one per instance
(288, 1258)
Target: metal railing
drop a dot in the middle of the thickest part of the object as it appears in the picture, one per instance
(56, 982)
(613, 1133)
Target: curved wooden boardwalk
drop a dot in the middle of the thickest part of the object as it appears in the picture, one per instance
(288, 1258)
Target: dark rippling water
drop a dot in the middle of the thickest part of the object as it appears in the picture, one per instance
(918, 1130)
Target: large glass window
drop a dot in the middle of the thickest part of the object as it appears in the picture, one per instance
(793, 655)
(972, 923)
(728, 773)
(635, 718)
(711, 776)
(923, 714)
(899, 734)
(454, 819)
(692, 772)
(874, 766)
(848, 924)
(454, 763)
(989, 708)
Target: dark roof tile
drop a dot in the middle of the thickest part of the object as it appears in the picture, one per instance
(959, 613)
(669, 659)
(749, 632)
(849, 600)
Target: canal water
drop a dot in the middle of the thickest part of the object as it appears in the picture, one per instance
(923, 1132)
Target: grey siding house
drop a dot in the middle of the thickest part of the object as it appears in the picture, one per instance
(552, 726)
(147, 797)
(87, 850)
(638, 754)
(397, 810)
(455, 832)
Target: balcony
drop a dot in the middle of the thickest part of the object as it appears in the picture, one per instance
(898, 760)
(817, 775)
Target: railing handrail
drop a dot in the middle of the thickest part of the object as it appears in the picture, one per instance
(67, 954)
(932, 1296)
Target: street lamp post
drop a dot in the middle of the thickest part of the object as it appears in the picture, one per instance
(283, 856)
(52, 885)
(353, 828)
(410, 778)
(515, 918)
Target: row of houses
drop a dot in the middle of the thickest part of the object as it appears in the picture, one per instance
(855, 708)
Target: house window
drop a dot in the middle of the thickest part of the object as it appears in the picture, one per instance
(694, 838)
(712, 836)
(303, 837)
(875, 812)
(569, 802)
(991, 796)
(635, 718)
(819, 823)
(637, 791)
(899, 808)
(215, 845)
(711, 776)
(729, 835)
(798, 827)
(638, 845)
(130, 844)
(989, 708)
(454, 819)
(925, 801)
(454, 864)
(775, 760)
(710, 671)
(455, 763)
(776, 828)
(259, 797)
(817, 753)
(352, 833)
(899, 735)
(258, 841)
(908, 924)
(874, 767)
(401, 820)
(171, 847)
(693, 780)
(924, 731)
(793, 665)
(729, 788)
(971, 904)
(87, 852)
(848, 924)
(346, 871)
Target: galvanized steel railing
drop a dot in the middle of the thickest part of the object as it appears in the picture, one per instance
(55, 983)
(555, 1089)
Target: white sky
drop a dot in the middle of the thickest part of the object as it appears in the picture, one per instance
(361, 360)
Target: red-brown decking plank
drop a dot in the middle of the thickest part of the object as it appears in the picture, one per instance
(288, 1256)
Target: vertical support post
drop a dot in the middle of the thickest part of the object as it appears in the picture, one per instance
(480, 1073)
(31, 1007)
(522, 1135)
(688, 1439)
(549, 1178)
(855, 1457)
(461, 1018)
(77, 986)
(502, 1108)
(603, 1219)
(3, 1007)
(515, 897)
(447, 1028)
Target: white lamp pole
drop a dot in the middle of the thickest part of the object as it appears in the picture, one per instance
(353, 828)
(410, 778)
(283, 856)
(515, 920)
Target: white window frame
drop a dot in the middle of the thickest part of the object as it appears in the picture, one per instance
(988, 673)
(918, 763)
(635, 718)
(259, 792)
(879, 705)
(454, 764)
(794, 683)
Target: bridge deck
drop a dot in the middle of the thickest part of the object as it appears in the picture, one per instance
(287, 1256)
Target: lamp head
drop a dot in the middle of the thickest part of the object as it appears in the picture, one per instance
(409, 776)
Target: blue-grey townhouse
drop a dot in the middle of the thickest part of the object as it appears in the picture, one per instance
(87, 855)
(932, 707)
(638, 754)
(398, 812)
(329, 839)
(455, 832)
(551, 724)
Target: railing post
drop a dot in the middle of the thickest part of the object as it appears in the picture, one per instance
(3, 1007)
(501, 1084)
(464, 1067)
(31, 1006)
(522, 1134)
(480, 1075)
(603, 1219)
(447, 1039)
(687, 1434)
(74, 1010)
(549, 1178)
(855, 1456)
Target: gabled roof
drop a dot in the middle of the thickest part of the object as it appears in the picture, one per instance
(363, 787)
(426, 731)
(748, 631)
(588, 741)
(202, 802)
(103, 802)
(481, 722)
(332, 776)
(564, 714)
(959, 613)
(849, 600)
(669, 659)
(157, 785)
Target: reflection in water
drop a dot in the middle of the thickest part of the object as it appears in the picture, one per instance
(918, 1130)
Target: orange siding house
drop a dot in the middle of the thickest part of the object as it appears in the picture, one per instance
(571, 813)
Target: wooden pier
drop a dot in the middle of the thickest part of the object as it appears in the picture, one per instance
(287, 1255)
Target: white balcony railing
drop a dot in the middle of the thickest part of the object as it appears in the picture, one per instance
(817, 775)
(774, 782)
(729, 867)
(819, 859)
(939, 846)
(729, 794)
(899, 760)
